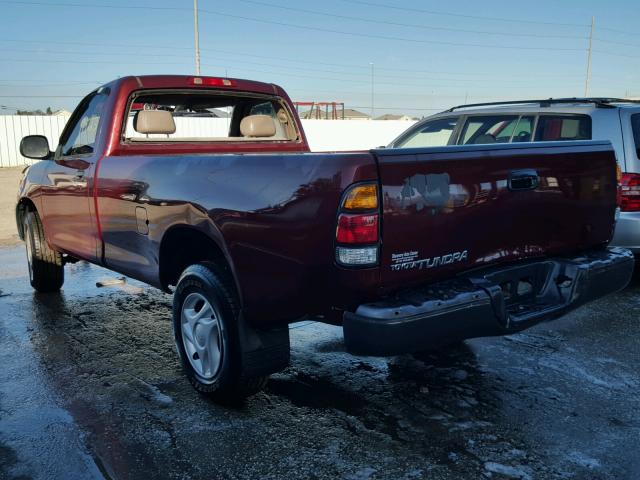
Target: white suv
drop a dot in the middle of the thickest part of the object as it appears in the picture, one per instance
(616, 120)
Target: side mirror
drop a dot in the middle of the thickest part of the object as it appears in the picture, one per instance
(36, 147)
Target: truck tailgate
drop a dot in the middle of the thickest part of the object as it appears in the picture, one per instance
(452, 209)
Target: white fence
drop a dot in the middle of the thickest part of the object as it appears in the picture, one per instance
(323, 135)
(14, 127)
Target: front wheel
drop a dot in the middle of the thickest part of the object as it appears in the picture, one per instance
(46, 270)
(207, 334)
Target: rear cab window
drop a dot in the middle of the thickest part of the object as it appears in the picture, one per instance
(199, 116)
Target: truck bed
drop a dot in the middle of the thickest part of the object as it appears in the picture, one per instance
(444, 212)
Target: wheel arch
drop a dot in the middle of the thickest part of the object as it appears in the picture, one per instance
(183, 245)
(24, 206)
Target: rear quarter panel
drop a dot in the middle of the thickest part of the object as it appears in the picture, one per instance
(272, 215)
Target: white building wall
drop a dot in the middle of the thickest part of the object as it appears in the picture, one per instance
(323, 135)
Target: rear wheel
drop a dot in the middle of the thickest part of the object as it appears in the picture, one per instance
(208, 337)
(46, 270)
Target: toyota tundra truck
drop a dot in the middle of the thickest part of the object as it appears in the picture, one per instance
(205, 188)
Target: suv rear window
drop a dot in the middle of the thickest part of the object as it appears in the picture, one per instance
(553, 128)
(635, 125)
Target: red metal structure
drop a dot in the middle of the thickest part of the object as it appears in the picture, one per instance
(315, 110)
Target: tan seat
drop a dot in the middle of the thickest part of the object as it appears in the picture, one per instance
(154, 121)
(257, 126)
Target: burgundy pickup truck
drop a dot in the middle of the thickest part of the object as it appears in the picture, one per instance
(205, 187)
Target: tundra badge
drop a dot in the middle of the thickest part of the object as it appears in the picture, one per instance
(410, 261)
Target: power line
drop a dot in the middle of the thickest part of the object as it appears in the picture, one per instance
(623, 32)
(390, 38)
(634, 45)
(244, 54)
(615, 54)
(314, 77)
(298, 26)
(360, 2)
(88, 44)
(462, 15)
(288, 67)
(411, 25)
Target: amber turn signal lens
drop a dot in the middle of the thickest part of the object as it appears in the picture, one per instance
(618, 173)
(361, 197)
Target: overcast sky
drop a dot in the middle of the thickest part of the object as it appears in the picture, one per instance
(426, 55)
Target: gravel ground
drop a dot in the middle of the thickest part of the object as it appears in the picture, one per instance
(9, 178)
(91, 388)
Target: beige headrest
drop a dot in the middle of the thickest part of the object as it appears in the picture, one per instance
(257, 126)
(154, 121)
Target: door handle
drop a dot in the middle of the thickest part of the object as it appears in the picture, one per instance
(525, 179)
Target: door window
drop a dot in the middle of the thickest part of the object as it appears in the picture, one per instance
(523, 130)
(81, 139)
(488, 129)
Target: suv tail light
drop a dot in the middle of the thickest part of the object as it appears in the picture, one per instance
(630, 192)
(358, 229)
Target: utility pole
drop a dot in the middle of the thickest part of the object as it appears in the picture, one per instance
(197, 35)
(588, 79)
(372, 91)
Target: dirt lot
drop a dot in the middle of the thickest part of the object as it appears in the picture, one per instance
(9, 178)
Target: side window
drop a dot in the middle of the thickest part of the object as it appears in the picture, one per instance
(553, 128)
(435, 133)
(82, 138)
(523, 130)
(284, 128)
(265, 108)
(488, 129)
(635, 125)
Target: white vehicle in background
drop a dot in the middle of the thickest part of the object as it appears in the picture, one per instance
(613, 119)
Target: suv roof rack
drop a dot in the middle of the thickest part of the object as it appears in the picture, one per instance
(602, 102)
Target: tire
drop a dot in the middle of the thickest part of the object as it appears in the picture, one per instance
(207, 334)
(46, 270)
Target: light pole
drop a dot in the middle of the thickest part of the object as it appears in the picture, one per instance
(372, 91)
(197, 35)
(587, 81)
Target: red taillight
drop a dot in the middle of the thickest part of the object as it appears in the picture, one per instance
(357, 229)
(212, 82)
(630, 192)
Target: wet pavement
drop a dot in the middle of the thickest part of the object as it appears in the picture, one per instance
(90, 387)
